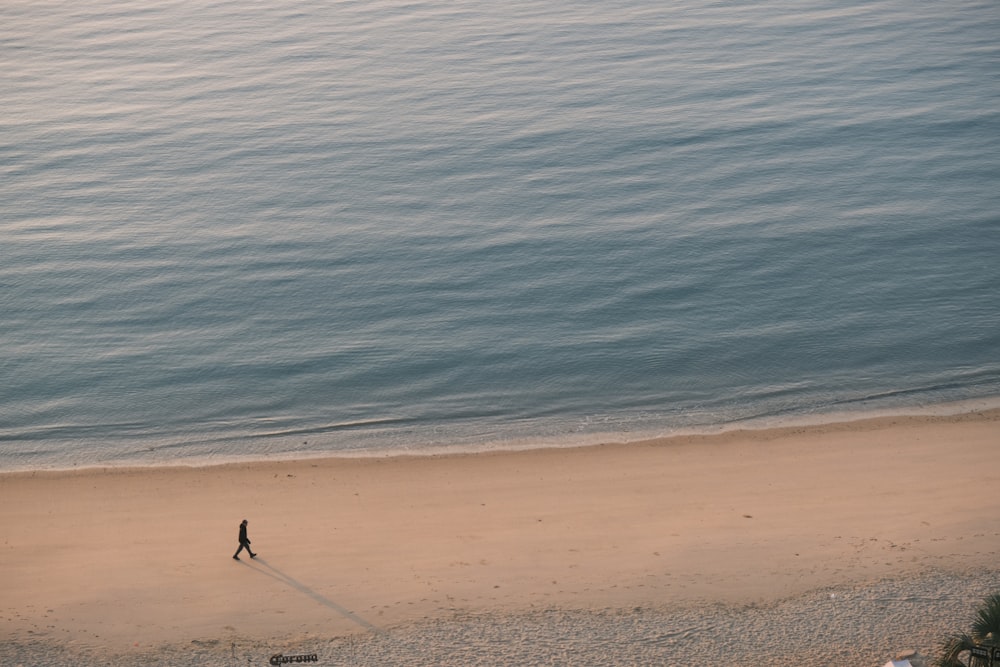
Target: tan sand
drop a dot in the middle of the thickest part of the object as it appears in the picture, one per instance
(128, 559)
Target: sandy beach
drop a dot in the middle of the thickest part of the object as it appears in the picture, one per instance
(856, 534)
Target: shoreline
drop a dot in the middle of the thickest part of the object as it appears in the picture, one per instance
(763, 424)
(116, 560)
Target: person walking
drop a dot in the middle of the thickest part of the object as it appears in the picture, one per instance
(244, 542)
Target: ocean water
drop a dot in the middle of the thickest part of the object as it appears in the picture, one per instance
(251, 229)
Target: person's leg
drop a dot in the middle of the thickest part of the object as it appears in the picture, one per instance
(237, 554)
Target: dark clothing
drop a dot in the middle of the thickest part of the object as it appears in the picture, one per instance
(244, 542)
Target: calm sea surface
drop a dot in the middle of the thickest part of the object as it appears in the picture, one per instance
(248, 229)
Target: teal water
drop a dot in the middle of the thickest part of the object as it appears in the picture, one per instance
(237, 230)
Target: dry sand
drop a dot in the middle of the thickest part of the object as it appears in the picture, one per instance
(675, 551)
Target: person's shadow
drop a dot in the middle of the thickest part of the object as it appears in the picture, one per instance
(269, 570)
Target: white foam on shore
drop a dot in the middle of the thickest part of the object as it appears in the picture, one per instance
(148, 459)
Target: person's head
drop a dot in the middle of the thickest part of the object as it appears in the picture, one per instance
(244, 522)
